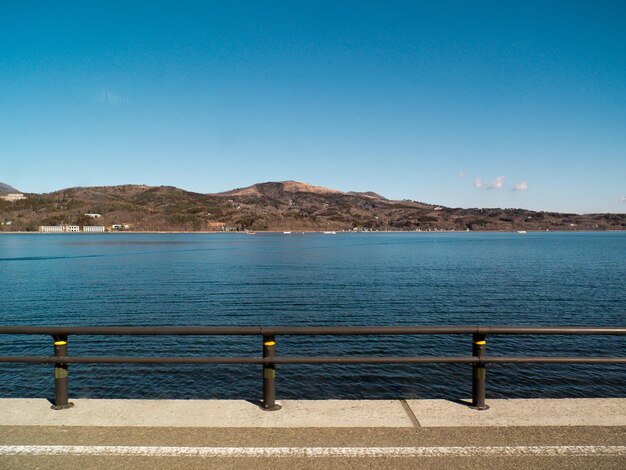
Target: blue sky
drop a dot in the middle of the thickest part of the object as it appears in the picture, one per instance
(454, 103)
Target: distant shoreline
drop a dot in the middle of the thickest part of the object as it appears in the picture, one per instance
(300, 232)
(270, 208)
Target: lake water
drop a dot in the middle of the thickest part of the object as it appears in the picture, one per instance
(371, 279)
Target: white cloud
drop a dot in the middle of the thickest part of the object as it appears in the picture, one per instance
(622, 199)
(497, 184)
(523, 186)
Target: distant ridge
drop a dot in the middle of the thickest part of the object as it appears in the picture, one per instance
(274, 206)
(371, 194)
(5, 188)
(282, 186)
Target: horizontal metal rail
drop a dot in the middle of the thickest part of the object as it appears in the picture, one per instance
(307, 330)
(268, 360)
(312, 360)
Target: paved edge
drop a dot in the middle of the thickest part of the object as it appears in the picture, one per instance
(315, 413)
(324, 452)
(207, 413)
(523, 412)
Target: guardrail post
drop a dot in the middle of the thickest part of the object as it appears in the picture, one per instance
(60, 375)
(479, 373)
(269, 376)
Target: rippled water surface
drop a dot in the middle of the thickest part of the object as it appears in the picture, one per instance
(314, 279)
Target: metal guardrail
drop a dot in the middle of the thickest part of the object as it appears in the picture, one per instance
(478, 359)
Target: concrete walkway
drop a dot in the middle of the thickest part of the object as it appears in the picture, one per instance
(337, 434)
(315, 414)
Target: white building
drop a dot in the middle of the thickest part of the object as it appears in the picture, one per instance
(93, 216)
(72, 228)
(12, 197)
(51, 228)
(93, 228)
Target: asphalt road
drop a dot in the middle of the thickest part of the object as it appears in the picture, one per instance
(454, 447)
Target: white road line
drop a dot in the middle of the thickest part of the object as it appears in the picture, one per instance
(156, 451)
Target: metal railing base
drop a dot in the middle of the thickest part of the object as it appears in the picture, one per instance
(479, 408)
(270, 408)
(62, 407)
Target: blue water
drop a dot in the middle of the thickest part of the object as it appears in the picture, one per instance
(551, 279)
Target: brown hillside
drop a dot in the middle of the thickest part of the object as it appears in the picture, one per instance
(287, 205)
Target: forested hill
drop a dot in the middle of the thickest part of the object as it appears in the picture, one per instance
(286, 205)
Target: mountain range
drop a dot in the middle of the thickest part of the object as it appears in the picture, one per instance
(5, 188)
(277, 206)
